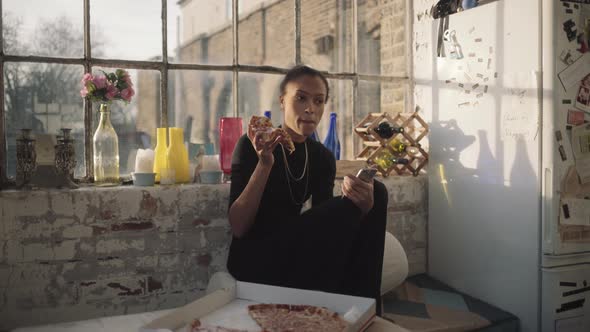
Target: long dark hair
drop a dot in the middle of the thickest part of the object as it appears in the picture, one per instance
(302, 70)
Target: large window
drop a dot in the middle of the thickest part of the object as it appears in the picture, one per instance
(192, 62)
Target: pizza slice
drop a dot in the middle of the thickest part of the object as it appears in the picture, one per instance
(301, 318)
(264, 125)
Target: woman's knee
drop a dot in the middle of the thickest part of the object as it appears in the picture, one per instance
(380, 194)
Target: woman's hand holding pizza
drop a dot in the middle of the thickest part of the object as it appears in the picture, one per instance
(262, 145)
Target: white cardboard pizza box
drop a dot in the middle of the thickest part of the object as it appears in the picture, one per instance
(227, 307)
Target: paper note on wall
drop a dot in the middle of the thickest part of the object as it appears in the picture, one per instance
(574, 73)
(519, 116)
(575, 211)
(581, 150)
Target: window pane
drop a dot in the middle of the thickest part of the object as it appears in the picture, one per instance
(382, 38)
(196, 101)
(326, 34)
(369, 95)
(376, 97)
(340, 101)
(259, 93)
(45, 98)
(130, 30)
(200, 32)
(267, 33)
(136, 122)
(54, 28)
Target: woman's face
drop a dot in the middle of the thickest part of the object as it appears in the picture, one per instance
(303, 105)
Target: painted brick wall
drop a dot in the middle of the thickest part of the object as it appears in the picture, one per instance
(72, 255)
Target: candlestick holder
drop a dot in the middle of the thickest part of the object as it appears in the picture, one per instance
(26, 158)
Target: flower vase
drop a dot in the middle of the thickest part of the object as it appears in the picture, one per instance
(178, 156)
(230, 131)
(106, 150)
(160, 152)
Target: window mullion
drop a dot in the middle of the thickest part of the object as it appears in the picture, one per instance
(164, 68)
(235, 63)
(88, 146)
(355, 82)
(3, 146)
(297, 32)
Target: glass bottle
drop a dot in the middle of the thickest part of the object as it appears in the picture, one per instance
(386, 159)
(178, 156)
(332, 142)
(160, 152)
(106, 150)
(386, 130)
(400, 147)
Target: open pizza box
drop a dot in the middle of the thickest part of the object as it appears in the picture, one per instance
(228, 307)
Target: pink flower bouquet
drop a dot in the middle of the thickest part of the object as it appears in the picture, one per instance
(107, 87)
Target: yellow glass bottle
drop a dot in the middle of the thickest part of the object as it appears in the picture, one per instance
(160, 152)
(178, 155)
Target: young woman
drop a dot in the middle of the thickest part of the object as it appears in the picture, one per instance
(337, 245)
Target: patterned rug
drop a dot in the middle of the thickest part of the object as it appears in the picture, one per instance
(423, 304)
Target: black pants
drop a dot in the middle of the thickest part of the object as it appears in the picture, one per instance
(327, 248)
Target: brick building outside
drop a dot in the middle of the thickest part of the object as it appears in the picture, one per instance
(197, 99)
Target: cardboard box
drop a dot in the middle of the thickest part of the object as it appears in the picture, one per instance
(227, 307)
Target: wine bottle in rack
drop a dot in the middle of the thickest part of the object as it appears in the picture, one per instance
(386, 130)
(400, 147)
(386, 159)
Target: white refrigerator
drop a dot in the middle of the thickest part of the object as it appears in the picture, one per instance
(495, 84)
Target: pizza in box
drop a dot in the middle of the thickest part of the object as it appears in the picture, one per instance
(284, 317)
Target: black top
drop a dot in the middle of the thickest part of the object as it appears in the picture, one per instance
(277, 201)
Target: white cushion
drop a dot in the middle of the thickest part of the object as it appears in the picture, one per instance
(395, 264)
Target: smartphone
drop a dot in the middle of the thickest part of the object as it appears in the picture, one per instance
(366, 174)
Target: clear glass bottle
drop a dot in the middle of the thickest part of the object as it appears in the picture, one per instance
(106, 150)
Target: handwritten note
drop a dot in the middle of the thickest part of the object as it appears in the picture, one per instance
(519, 117)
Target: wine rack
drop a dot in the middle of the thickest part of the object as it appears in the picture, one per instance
(375, 146)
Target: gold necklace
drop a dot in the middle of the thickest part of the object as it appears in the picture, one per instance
(290, 176)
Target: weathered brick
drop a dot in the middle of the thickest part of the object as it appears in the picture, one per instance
(13, 251)
(79, 270)
(62, 203)
(168, 262)
(5, 271)
(111, 288)
(120, 246)
(217, 236)
(167, 242)
(77, 231)
(142, 265)
(65, 250)
(38, 252)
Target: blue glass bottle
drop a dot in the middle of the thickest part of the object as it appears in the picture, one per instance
(331, 141)
(267, 114)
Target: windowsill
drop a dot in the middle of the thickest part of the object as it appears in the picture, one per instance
(91, 187)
